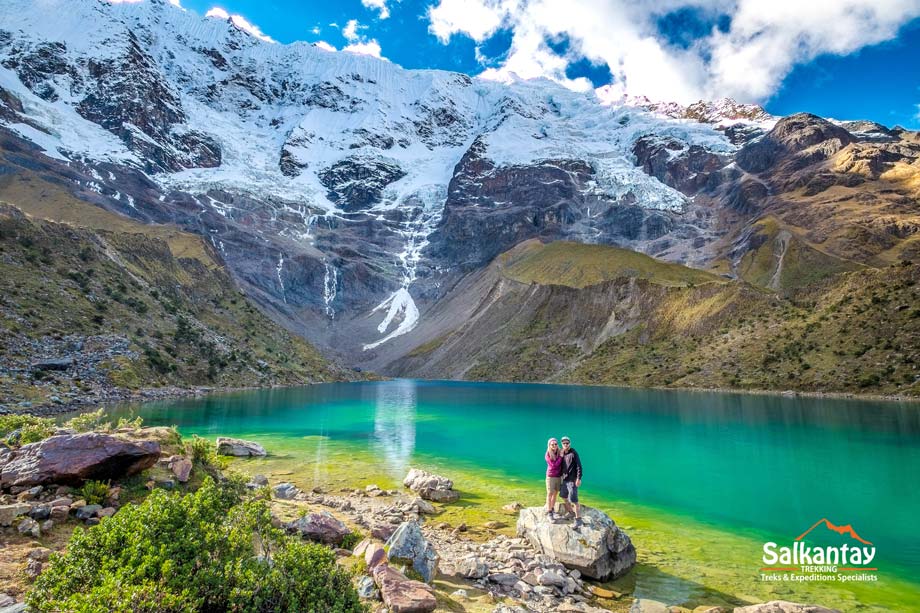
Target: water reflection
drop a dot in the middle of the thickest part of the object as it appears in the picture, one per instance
(394, 423)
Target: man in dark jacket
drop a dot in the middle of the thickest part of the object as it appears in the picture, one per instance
(571, 479)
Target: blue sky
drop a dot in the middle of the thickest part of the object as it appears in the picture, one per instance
(856, 62)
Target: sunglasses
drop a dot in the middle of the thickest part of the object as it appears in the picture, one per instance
(565, 443)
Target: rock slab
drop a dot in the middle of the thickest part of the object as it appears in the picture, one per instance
(239, 447)
(73, 458)
(409, 544)
(401, 594)
(599, 549)
(321, 528)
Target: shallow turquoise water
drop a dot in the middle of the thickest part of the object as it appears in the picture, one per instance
(766, 466)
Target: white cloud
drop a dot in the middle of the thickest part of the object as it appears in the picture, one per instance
(324, 45)
(379, 5)
(357, 42)
(371, 47)
(240, 22)
(350, 31)
(764, 42)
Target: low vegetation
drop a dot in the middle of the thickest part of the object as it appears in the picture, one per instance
(213, 550)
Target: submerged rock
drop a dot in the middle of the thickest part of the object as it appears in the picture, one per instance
(74, 458)
(239, 447)
(409, 544)
(285, 491)
(784, 606)
(598, 549)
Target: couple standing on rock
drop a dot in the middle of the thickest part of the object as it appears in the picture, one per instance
(563, 476)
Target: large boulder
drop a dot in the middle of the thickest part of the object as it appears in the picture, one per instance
(320, 527)
(784, 606)
(9, 512)
(430, 486)
(239, 447)
(598, 549)
(408, 544)
(401, 594)
(71, 459)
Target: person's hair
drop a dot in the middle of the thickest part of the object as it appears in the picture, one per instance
(549, 448)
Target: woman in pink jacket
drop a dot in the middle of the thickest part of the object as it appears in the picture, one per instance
(553, 475)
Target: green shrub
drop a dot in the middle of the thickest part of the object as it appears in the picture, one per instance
(204, 452)
(94, 492)
(351, 539)
(209, 551)
(25, 428)
(98, 421)
(87, 422)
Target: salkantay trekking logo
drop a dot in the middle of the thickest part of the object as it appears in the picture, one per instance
(803, 561)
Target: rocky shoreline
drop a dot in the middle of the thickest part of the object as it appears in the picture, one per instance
(404, 560)
(535, 571)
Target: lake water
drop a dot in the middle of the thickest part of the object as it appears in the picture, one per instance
(700, 480)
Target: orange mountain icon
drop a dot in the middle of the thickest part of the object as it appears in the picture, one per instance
(838, 529)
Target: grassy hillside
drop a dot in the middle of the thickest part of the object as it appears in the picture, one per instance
(856, 331)
(137, 306)
(580, 265)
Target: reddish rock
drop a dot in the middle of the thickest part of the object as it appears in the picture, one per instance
(374, 555)
(181, 467)
(401, 594)
(74, 458)
(320, 527)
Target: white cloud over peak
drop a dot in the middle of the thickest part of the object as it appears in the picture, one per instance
(240, 22)
(378, 5)
(324, 45)
(357, 42)
(371, 47)
(762, 43)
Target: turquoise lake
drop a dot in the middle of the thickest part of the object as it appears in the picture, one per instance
(703, 478)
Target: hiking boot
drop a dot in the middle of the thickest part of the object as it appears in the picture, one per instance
(577, 523)
(551, 516)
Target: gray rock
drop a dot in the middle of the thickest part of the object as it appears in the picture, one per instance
(430, 486)
(285, 491)
(239, 447)
(507, 579)
(29, 526)
(367, 589)
(599, 549)
(9, 512)
(472, 568)
(409, 544)
(88, 511)
(260, 480)
(19, 607)
(40, 512)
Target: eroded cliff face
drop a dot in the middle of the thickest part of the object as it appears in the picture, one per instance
(349, 197)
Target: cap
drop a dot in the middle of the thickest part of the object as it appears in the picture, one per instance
(565, 438)
(552, 440)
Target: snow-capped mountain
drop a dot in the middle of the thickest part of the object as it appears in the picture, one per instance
(344, 191)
